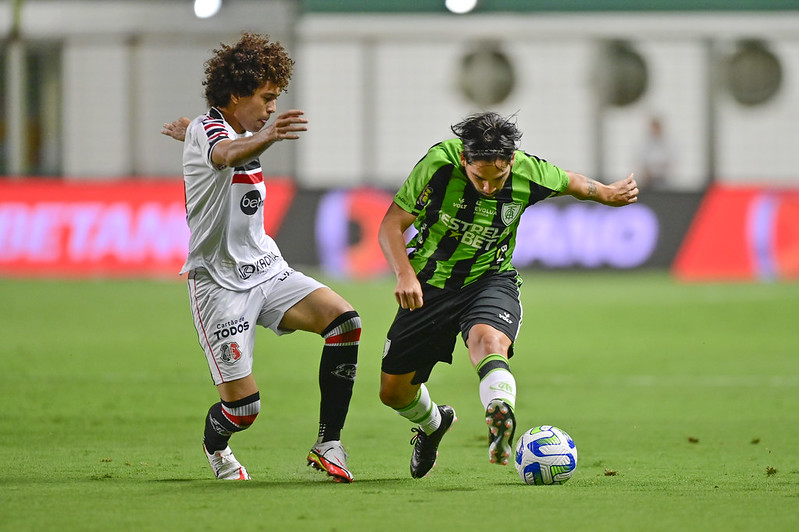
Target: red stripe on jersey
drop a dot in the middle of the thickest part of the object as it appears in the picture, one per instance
(215, 137)
(250, 179)
(211, 123)
(349, 337)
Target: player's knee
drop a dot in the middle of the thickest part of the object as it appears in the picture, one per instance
(345, 330)
(389, 397)
(395, 396)
(242, 413)
(488, 340)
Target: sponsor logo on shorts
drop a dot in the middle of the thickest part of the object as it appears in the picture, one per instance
(386, 347)
(505, 316)
(251, 202)
(230, 352)
(285, 274)
(231, 328)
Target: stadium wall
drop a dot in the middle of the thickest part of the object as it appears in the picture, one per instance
(394, 84)
(379, 88)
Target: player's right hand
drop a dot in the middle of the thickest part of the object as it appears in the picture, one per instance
(409, 293)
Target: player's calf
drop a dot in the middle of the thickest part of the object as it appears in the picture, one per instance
(223, 420)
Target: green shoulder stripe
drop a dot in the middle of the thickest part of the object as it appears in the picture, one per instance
(444, 155)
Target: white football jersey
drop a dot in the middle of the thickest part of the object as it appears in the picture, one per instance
(225, 211)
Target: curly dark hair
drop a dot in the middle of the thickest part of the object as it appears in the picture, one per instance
(242, 68)
(488, 137)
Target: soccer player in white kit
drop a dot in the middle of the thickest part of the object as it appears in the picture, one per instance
(237, 277)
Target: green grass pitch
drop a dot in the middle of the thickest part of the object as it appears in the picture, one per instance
(683, 400)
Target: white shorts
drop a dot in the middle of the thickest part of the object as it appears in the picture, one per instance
(225, 319)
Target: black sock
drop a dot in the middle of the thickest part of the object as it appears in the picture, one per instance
(224, 418)
(337, 370)
(218, 429)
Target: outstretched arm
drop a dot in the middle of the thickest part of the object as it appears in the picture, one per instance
(287, 126)
(176, 129)
(391, 237)
(617, 194)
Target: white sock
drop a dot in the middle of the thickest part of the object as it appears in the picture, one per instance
(422, 411)
(496, 381)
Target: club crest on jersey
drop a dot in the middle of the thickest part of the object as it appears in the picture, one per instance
(230, 352)
(511, 211)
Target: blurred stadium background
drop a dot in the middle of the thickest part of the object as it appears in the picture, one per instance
(88, 186)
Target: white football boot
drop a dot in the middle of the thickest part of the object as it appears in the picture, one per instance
(331, 457)
(225, 465)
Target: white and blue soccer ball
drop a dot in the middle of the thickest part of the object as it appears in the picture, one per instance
(545, 455)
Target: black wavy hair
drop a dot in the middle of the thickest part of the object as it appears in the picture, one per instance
(245, 66)
(488, 137)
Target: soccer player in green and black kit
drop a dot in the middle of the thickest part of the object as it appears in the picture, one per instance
(465, 199)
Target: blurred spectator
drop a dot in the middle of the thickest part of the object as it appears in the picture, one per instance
(655, 159)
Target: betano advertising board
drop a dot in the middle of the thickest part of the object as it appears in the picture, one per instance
(137, 228)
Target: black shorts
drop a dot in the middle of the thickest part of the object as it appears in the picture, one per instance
(418, 340)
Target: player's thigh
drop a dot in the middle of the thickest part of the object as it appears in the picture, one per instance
(238, 389)
(417, 340)
(492, 316)
(315, 311)
(281, 296)
(225, 323)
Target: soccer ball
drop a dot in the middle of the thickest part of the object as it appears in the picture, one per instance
(545, 455)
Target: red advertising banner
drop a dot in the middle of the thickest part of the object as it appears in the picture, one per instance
(138, 229)
(131, 228)
(742, 233)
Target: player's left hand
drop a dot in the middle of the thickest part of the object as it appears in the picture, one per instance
(176, 129)
(623, 192)
(287, 125)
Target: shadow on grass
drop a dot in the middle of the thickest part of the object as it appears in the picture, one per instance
(392, 483)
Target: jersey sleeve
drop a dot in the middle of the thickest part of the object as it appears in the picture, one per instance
(211, 130)
(543, 173)
(414, 193)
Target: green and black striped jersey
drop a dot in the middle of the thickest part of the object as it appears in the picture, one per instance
(462, 236)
